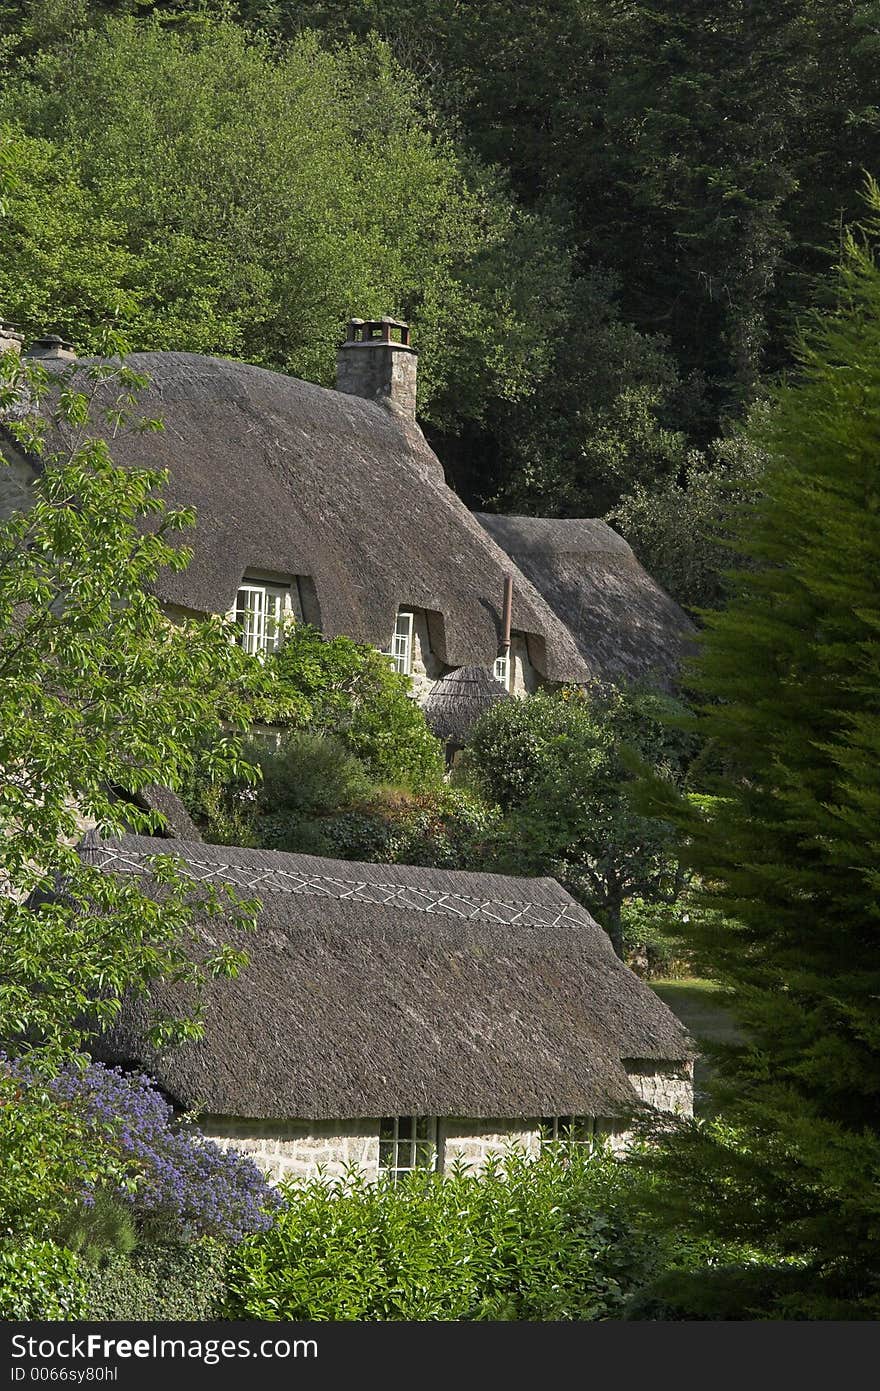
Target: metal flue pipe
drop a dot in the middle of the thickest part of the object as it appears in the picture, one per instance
(507, 614)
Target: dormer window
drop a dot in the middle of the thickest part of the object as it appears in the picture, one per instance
(400, 649)
(259, 612)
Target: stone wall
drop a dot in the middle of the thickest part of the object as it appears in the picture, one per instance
(301, 1149)
(665, 1088)
(426, 666)
(526, 679)
(467, 1144)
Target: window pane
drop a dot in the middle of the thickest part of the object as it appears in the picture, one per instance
(404, 1127)
(386, 1128)
(386, 1154)
(581, 1129)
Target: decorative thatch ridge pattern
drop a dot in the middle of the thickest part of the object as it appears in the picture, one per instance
(626, 627)
(357, 1005)
(260, 878)
(290, 478)
(458, 700)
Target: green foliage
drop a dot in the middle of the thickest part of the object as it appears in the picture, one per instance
(309, 774)
(786, 845)
(159, 1281)
(97, 690)
(682, 527)
(40, 1280)
(555, 765)
(339, 724)
(544, 1240)
(651, 936)
(104, 1226)
(350, 691)
(449, 828)
(245, 198)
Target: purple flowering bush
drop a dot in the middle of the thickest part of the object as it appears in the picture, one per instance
(176, 1184)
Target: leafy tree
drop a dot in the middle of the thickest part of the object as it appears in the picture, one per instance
(337, 736)
(786, 842)
(253, 196)
(349, 690)
(98, 690)
(555, 765)
(682, 527)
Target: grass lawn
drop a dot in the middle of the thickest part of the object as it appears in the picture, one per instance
(698, 1004)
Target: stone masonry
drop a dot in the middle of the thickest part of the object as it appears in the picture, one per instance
(302, 1149)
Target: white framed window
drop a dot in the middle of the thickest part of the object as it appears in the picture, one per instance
(570, 1130)
(259, 613)
(400, 649)
(501, 670)
(407, 1143)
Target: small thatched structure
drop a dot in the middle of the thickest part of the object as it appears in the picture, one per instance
(381, 990)
(458, 700)
(177, 824)
(626, 627)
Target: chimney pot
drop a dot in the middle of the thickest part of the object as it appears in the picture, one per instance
(51, 348)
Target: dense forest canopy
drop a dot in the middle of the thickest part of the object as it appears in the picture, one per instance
(603, 219)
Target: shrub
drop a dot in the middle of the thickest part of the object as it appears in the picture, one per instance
(559, 766)
(351, 691)
(540, 1240)
(652, 941)
(160, 1168)
(161, 1281)
(40, 1280)
(309, 774)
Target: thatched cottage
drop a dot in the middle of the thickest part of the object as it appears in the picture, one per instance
(394, 1017)
(330, 506)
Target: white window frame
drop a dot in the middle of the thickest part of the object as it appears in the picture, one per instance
(501, 669)
(570, 1130)
(407, 1143)
(260, 610)
(400, 648)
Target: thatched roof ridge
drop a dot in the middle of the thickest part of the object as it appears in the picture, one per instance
(626, 627)
(383, 989)
(458, 699)
(294, 479)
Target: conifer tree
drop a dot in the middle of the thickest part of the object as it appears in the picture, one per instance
(787, 845)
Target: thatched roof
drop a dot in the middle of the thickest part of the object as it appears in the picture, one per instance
(458, 700)
(292, 478)
(178, 824)
(626, 626)
(379, 990)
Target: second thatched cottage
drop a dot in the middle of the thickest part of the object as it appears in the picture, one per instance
(394, 1017)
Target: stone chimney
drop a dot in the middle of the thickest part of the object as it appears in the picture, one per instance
(10, 338)
(51, 348)
(377, 362)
